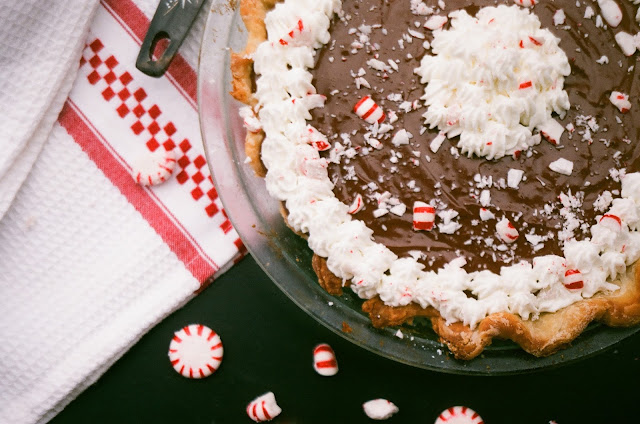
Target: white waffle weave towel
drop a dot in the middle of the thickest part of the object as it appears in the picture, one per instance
(90, 260)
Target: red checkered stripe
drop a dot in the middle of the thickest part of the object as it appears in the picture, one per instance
(130, 101)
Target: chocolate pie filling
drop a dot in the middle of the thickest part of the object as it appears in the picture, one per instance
(534, 207)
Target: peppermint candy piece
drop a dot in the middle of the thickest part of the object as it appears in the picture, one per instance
(621, 101)
(611, 221)
(435, 22)
(316, 139)
(551, 130)
(573, 279)
(506, 231)
(562, 166)
(424, 216)
(369, 110)
(559, 17)
(155, 167)
(324, 360)
(379, 409)
(356, 205)
(195, 351)
(525, 3)
(627, 42)
(610, 12)
(486, 214)
(459, 415)
(263, 408)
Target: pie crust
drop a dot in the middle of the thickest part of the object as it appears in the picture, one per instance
(541, 337)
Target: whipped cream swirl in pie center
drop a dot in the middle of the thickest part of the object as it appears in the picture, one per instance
(492, 79)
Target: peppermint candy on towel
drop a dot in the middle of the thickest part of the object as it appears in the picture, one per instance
(263, 408)
(195, 351)
(152, 168)
(459, 415)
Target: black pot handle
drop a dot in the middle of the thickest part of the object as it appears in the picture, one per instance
(171, 23)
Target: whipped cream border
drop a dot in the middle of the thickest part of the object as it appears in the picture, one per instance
(298, 177)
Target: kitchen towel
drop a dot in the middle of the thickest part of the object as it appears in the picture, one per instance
(89, 259)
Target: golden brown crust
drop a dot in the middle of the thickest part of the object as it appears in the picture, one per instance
(253, 13)
(326, 278)
(542, 337)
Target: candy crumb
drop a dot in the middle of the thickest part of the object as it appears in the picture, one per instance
(562, 166)
(379, 409)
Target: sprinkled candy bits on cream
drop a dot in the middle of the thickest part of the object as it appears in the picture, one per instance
(532, 74)
(493, 79)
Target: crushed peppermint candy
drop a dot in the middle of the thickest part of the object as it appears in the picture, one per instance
(610, 12)
(559, 17)
(401, 137)
(506, 231)
(562, 166)
(448, 225)
(437, 142)
(551, 130)
(621, 101)
(514, 176)
(435, 22)
(627, 43)
(525, 3)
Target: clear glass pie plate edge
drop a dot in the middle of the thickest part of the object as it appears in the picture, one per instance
(285, 257)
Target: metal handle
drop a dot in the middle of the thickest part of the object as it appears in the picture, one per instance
(171, 23)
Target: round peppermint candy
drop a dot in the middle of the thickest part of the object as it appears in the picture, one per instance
(155, 167)
(459, 415)
(195, 351)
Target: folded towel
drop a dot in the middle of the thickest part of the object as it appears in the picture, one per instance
(89, 259)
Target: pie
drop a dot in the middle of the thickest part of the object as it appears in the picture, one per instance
(471, 162)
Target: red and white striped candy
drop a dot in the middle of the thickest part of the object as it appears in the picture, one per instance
(152, 168)
(612, 222)
(551, 130)
(459, 415)
(506, 231)
(324, 360)
(621, 101)
(195, 351)
(263, 408)
(424, 216)
(316, 139)
(379, 409)
(525, 3)
(356, 205)
(610, 12)
(573, 279)
(369, 110)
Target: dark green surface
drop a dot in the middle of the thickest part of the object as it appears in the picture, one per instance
(268, 343)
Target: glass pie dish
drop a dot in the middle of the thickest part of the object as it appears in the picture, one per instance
(285, 257)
